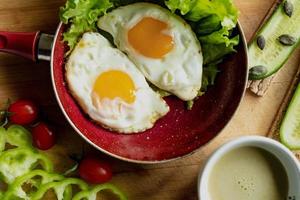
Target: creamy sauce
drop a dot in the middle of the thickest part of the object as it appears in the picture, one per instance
(248, 173)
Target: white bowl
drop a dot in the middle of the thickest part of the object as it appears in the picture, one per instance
(284, 155)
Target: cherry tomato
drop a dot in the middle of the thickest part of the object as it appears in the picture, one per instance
(43, 137)
(23, 112)
(94, 171)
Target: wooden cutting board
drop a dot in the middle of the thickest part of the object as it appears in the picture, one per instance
(177, 180)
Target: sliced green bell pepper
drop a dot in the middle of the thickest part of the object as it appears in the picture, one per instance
(36, 178)
(63, 189)
(16, 167)
(92, 194)
(2, 139)
(18, 136)
(19, 161)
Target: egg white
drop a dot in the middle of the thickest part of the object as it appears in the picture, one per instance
(94, 55)
(179, 71)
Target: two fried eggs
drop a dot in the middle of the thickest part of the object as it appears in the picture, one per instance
(110, 85)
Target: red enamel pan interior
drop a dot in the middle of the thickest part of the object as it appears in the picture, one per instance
(179, 133)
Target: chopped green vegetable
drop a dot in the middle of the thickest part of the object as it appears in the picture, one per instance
(62, 188)
(92, 194)
(23, 166)
(35, 178)
(18, 136)
(2, 138)
(19, 161)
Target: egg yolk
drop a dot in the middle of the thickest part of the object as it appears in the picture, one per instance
(149, 38)
(113, 84)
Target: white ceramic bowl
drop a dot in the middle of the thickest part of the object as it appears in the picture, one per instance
(284, 155)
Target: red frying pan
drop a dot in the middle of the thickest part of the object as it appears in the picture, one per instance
(179, 133)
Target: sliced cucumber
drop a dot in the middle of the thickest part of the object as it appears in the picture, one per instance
(274, 54)
(290, 127)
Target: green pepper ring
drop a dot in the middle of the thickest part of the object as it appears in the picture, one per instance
(92, 194)
(2, 139)
(16, 136)
(26, 158)
(11, 167)
(19, 136)
(16, 186)
(61, 188)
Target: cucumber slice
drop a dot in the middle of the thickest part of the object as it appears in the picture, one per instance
(290, 127)
(275, 54)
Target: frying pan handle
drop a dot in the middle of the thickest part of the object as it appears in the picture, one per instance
(34, 46)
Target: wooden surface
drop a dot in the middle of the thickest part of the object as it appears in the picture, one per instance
(20, 78)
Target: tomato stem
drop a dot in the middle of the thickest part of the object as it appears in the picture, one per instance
(71, 170)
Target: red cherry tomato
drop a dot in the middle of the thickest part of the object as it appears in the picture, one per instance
(94, 171)
(23, 112)
(43, 137)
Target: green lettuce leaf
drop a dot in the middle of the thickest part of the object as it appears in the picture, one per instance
(213, 22)
(195, 10)
(118, 3)
(82, 16)
(209, 76)
(216, 37)
(224, 9)
(208, 25)
(184, 6)
(213, 52)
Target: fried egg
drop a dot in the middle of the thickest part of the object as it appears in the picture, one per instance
(161, 44)
(109, 87)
